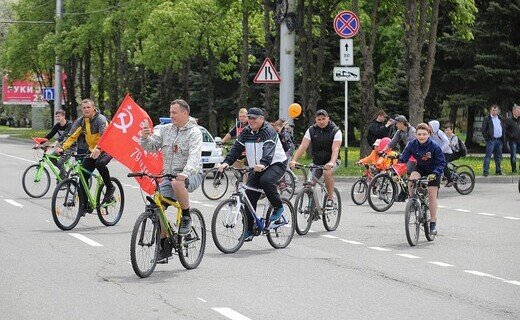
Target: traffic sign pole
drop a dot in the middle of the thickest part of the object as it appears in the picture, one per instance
(346, 123)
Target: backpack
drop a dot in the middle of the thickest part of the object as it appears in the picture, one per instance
(463, 151)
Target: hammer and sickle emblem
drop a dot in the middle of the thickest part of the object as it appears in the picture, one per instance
(123, 124)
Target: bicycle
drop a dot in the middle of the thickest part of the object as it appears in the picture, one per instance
(383, 187)
(67, 199)
(36, 179)
(417, 212)
(153, 222)
(215, 185)
(463, 178)
(359, 191)
(229, 224)
(310, 203)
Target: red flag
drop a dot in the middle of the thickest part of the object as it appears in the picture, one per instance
(121, 141)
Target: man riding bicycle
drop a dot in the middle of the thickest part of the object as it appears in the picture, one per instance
(324, 137)
(265, 154)
(180, 142)
(62, 128)
(90, 127)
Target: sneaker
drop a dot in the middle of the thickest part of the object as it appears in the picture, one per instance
(499, 173)
(449, 184)
(276, 214)
(185, 227)
(485, 174)
(109, 195)
(165, 251)
(329, 205)
(433, 228)
(248, 236)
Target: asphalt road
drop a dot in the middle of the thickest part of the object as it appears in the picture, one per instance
(364, 270)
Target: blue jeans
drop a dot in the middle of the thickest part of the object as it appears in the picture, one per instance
(494, 147)
(514, 146)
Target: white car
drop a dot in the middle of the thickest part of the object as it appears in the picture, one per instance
(211, 152)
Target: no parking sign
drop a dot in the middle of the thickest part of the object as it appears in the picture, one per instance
(346, 24)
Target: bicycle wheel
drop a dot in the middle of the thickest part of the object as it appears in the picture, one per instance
(65, 205)
(110, 213)
(144, 244)
(214, 188)
(286, 185)
(359, 192)
(465, 168)
(411, 221)
(382, 192)
(280, 232)
(464, 183)
(331, 218)
(305, 207)
(228, 226)
(36, 180)
(192, 245)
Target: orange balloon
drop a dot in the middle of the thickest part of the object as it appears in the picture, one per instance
(295, 109)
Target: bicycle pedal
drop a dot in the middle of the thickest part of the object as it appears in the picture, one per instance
(163, 261)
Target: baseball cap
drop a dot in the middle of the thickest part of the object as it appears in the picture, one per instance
(401, 118)
(322, 112)
(255, 113)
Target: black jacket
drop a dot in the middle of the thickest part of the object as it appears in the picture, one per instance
(513, 129)
(377, 130)
(487, 128)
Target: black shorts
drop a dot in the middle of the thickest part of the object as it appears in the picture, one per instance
(424, 173)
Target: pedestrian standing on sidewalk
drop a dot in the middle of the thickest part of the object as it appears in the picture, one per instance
(492, 130)
(513, 135)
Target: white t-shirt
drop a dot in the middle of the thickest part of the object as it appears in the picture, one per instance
(337, 137)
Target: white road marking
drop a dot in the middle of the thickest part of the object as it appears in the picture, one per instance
(329, 236)
(512, 218)
(201, 299)
(14, 203)
(442, 264)
(379, 249)
(47, 221)
(513, 282)
(351, 241)
(129, 262)
(86, 240)
(312, 231)
(443, 207)
(208, 205)
(483, 274)
(194, 201)
(130, 185)
(411, 256)
(486, 214)
(462, 210)
(8, 155)
(231, 314)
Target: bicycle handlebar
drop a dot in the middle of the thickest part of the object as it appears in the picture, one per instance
(312, 166)
(153, 176)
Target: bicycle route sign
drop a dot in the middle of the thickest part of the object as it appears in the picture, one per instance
(346, 24)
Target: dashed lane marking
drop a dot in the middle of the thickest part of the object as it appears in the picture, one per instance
(410, 256)
(208, 205)
(351, 241)
(486, 214)
(513, 282)
(441, 264)
(379, 249)
(86, 240)
(14, 203)
(201, 299)
(512, 218)
(483, 274)
(231, 314)
(8, 155)
(329, 236)
(195, 201)
(462, 210)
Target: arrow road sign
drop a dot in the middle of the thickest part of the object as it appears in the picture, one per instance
(346, 52)
(346, 74)
(48, 93)
(267, 73)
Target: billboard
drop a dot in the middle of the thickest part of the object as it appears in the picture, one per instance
(26, 91)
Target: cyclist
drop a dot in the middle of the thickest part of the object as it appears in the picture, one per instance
(266, 156)
(89, 128)
(285, 137)
(324, 137)
(234, 133)
(180, 142)
(442, 140)
(62, 128)
(430, 162)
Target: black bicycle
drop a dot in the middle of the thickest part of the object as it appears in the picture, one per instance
(417, 212)
(463, 178)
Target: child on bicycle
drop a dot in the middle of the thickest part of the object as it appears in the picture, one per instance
(430, 162)
(381, 161)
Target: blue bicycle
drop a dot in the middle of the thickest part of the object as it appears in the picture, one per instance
(229, 222)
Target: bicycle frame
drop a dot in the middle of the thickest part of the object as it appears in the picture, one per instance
(239, 195)
(311, 182)
(79, 170)
(159, 200)
(45, 161)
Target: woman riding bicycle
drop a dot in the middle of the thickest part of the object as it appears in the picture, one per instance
(430, 162)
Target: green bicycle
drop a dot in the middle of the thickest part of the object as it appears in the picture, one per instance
(36, 179)
(67, 199)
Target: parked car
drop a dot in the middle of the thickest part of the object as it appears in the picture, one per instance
(211, 152)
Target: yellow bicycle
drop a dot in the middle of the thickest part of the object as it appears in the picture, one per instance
(153, 225)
